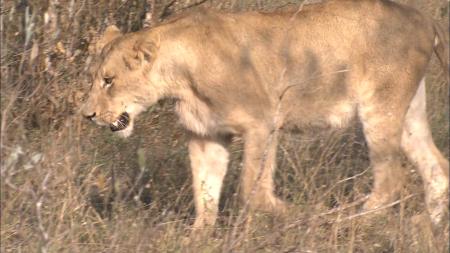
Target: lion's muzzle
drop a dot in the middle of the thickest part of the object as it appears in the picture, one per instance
(121, 123)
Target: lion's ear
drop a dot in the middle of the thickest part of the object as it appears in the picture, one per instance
(145, 50)
(110, 34)
(142, 53)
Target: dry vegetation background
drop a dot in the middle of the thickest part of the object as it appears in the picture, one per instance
(67, 186)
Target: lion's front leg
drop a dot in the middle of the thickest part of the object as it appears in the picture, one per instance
(209, 161)
(259, 165)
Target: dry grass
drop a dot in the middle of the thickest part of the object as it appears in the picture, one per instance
(67, 186)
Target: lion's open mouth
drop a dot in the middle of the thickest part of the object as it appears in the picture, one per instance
(121, 123)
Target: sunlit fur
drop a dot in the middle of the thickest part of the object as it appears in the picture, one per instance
(250, 74)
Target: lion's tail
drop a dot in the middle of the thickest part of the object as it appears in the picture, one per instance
(441, 46)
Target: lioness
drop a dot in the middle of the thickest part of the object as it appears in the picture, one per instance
(251, 74)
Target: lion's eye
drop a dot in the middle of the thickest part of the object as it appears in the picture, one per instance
(108, 81)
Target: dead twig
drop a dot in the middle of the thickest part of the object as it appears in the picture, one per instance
(40, 198)
(350, 217)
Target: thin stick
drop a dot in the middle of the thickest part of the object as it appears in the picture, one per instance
(375, 209)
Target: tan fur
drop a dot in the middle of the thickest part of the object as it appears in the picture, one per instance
(250, 74)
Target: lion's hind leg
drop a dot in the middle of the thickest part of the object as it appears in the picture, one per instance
(386, 165)
(382, 116)
(419, 147)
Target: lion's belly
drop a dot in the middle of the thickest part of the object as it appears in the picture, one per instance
(328, 101)
(326, 114)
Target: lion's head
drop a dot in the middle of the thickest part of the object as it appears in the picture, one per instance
(121, 84)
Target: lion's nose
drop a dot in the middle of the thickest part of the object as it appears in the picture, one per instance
(90, 116)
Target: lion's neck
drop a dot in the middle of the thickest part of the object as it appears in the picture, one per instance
(194, 113)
